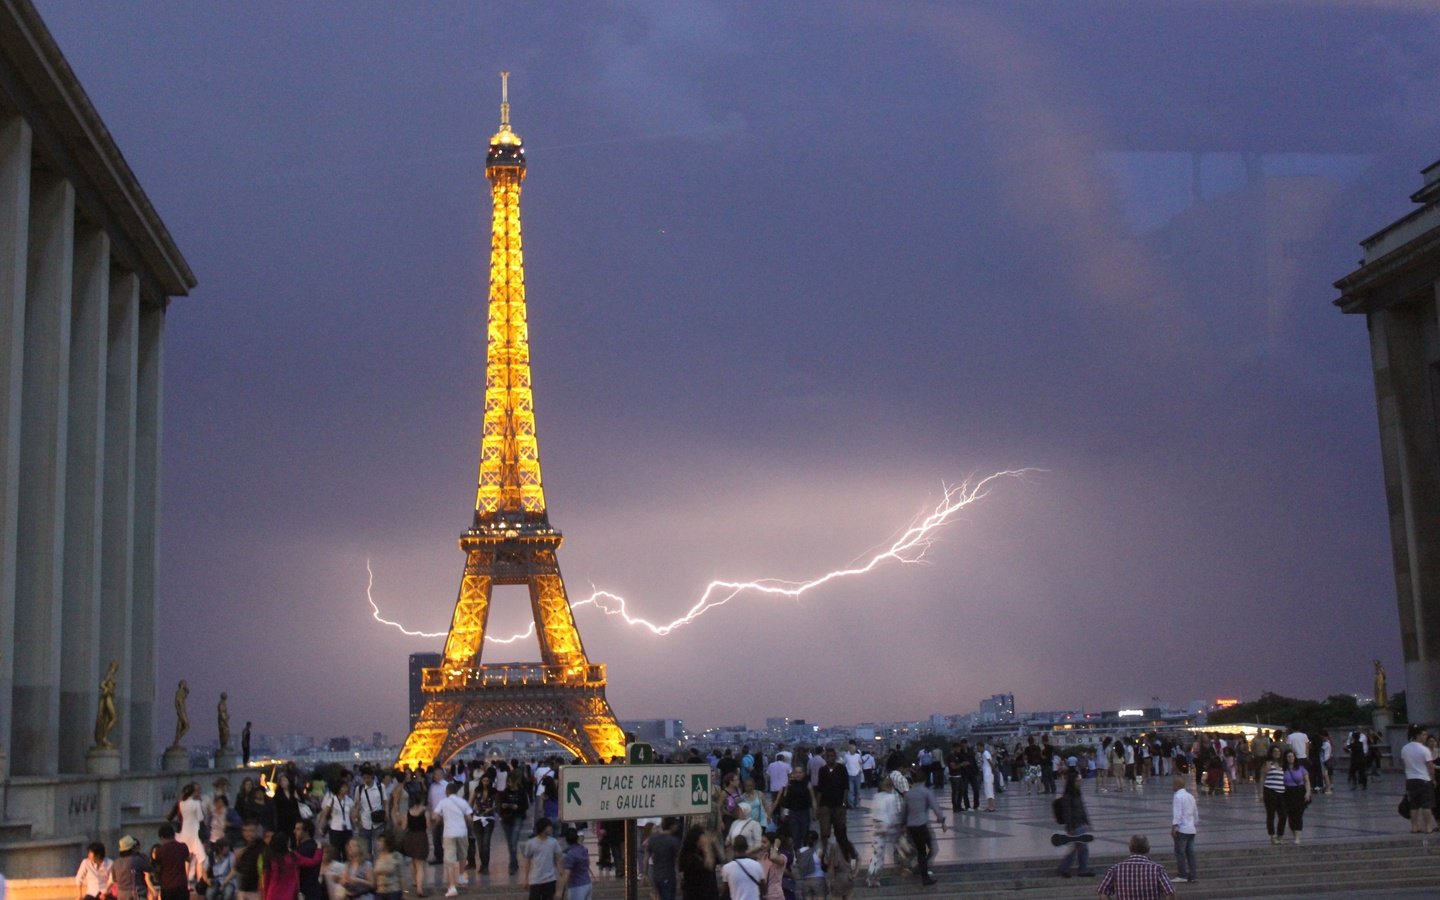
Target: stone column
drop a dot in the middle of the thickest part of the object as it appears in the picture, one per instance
(40, 541)
(117, 553)
(147, 520)
(14, 229)
(1406, 374)
(84, 481)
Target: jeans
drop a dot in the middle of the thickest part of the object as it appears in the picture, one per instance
(483, 834)
(920, 837)
(368, 837)
(664, 887)
(578, 891)
(1185, 855)
(798, 822)
(511, 827)
(1079, 853)
(854, 791)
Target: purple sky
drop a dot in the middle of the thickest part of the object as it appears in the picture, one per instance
(789, 270)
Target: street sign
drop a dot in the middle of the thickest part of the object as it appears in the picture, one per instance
(633, 792)
(640, 754)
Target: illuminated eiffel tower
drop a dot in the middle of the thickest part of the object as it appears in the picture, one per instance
(511, 541)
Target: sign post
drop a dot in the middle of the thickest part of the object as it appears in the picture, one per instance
(630, 792)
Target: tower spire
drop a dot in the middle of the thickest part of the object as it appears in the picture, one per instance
(505, 100)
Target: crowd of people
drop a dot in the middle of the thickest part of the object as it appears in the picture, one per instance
(778, 827)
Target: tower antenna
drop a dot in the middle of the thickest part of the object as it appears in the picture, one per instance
(504, 99)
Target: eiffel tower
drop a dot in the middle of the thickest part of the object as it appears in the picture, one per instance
(511, 541)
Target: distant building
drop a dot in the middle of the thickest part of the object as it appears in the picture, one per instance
(655, 731)
(999, 708)
(418, 663)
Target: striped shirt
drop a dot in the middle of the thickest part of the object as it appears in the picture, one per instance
(1136, 878)
(1274, 778)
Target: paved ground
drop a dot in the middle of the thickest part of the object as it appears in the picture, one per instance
(1021, 828)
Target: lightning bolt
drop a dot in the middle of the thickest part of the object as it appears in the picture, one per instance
(908, 548)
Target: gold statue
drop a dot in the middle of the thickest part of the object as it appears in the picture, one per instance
(182, 720)
(105, 715)
(222, 715)
(1381, 701)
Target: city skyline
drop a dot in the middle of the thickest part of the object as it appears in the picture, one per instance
(778, 298)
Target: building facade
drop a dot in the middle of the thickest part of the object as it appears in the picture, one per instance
(1397, 289)
(86, 272)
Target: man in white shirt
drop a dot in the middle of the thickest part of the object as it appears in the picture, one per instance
(370, 801)
(776, 774)
(1299, 741)
(455, 815)
(1184, 817)
(853, 770)
(744, 875)
(435, 794)
(1419, 781)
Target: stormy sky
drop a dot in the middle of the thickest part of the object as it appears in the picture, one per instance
(791, 269)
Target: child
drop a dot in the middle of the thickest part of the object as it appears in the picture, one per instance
(221, 874)
(810, 869)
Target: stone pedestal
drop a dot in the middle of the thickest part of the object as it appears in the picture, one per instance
(1382, 718)
(225, 758)
(102, 761)
(176, 759)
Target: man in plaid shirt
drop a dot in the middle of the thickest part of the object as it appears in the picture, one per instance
(1137, 877)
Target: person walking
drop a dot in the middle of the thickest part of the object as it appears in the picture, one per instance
(744, 875)
(1077, 825)
(1137, 876)
(831, 796)
(575, 879)
(1184, 817)
(543, 859)
(455, 816)
(919, 804)
(887, 817)
(1419, 764)
(797, 798)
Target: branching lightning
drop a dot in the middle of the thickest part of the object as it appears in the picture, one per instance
(908, 548)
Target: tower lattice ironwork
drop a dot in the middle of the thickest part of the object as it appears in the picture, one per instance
(511, 541)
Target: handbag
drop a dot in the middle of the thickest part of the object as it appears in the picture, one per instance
(1404, 809)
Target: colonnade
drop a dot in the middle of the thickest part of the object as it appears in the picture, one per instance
(80, 387)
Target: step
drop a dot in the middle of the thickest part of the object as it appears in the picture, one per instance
(14, 830)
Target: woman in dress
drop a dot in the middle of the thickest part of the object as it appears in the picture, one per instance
(287, 804)
(192, 813)
(759, 806)
(1297, 793)
(416, 844)
(697, 865)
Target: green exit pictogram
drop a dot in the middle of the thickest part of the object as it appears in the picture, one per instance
(699, 789)
(572, 793)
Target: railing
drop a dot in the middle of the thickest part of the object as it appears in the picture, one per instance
(512, 675)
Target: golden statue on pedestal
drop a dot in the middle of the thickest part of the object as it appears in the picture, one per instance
(105, 715)
(1381, 701)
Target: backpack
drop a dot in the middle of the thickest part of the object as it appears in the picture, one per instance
(1058, 808)
(805, 862)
